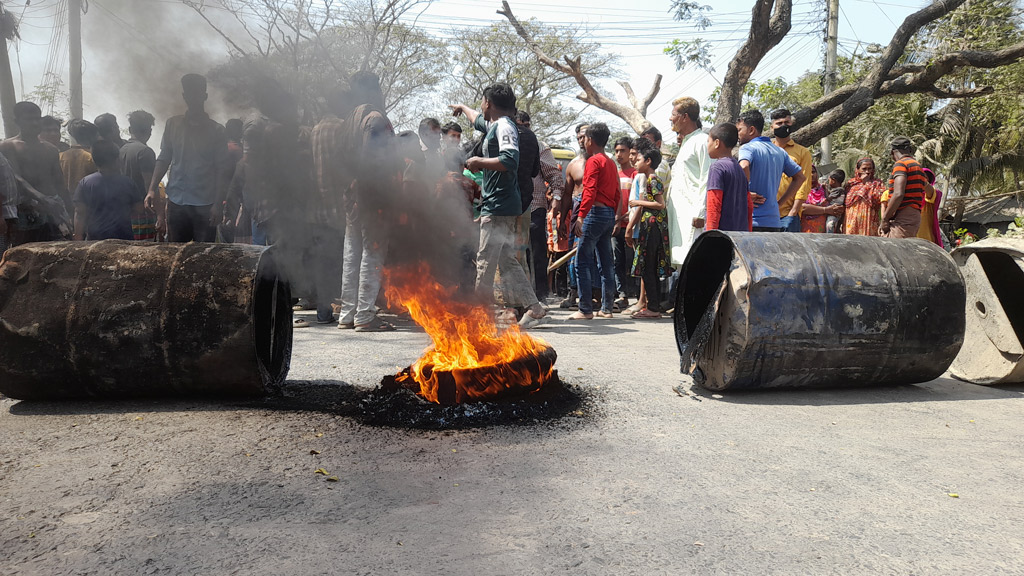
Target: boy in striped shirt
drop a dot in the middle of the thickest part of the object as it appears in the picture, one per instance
(901, 203)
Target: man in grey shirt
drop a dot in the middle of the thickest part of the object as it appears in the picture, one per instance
(194, 149)
(137, 161)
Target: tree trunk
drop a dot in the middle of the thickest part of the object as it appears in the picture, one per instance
(767, 29)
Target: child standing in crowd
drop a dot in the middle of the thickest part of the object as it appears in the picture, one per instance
(650, 261)
(836, 201)
(825, 204)
(814, 220)
(104, 200)
(636, 192)
(729, 204)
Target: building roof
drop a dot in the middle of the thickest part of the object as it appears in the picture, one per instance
(989, 210)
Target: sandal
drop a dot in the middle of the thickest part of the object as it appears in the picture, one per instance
(300, 323)
(645, 314)
(376, 325)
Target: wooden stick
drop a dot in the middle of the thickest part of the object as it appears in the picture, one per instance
(561, 261)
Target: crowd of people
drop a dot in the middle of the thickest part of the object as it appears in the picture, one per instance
(493, 215)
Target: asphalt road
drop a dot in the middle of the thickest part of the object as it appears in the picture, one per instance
(643, 479)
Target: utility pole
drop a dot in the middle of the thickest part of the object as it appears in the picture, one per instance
(75, 41)
(7, 94)
(831, 50)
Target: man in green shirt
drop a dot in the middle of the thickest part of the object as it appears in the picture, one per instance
(500, 201)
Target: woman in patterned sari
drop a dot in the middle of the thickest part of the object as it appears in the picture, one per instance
(864, 200)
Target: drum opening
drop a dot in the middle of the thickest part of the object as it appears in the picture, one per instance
(272, 322)
(1007, 281)
(704, 272)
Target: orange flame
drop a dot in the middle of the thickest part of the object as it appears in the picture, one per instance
(467, 346)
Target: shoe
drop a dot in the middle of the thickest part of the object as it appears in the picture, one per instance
(375, 325)
(300, 323)
(530, 321)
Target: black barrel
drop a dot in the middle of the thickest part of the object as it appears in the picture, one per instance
(116, 319)
(770, 310)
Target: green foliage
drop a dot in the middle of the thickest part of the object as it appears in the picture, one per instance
(1014, 230)
(686, 53)
(696, 52)
(767, 96)
(961, 237)
(51, 96)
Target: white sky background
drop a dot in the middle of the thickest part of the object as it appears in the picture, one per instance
(119, 39)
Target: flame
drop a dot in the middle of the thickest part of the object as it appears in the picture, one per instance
(467, 346)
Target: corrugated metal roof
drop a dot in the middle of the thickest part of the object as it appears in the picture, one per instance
(991, 210)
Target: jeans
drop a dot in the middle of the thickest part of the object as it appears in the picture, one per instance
(539, 251)
(596, 244)
(327, 244)
(625, 283)
(366, 247)
(497, 252)
(790, 223)
(260, 237)
(189, 223)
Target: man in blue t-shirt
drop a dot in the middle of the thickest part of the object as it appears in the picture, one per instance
(500, 201)
(104, 200)
(765, 163)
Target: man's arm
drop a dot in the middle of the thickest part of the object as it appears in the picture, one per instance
(806, 166)
(755, 197)
(796, 172)
(476, 164)
(899, 189)
(163, 162)
(714, 209)
(56, 176)
(794, 185)
(81, 214)
(552, 175)
(470, 113)
(589, 193)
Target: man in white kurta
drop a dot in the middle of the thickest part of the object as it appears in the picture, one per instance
(687, 190)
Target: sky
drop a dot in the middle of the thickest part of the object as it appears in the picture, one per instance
(123, 38)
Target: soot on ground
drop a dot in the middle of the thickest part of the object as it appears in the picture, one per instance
(397, 407)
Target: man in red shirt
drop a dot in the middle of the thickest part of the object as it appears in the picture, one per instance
(598, 205)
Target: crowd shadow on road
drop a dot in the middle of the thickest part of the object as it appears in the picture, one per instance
(943, 389)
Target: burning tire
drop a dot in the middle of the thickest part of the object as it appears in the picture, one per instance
(522, 376)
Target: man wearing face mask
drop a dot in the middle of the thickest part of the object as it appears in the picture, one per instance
(790, 203)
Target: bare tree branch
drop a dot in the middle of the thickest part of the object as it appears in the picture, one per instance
(770, 21)
(869, 89)
(572, 66)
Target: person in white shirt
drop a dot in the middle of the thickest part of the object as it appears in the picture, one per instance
(687, 190)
